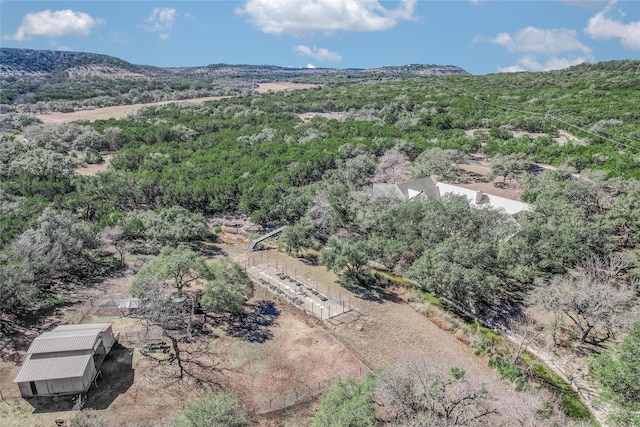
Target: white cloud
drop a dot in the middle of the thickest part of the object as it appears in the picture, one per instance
(511, 69)
(320, 54)
(324, 16)
(540, 41)
(543, 50)
(531, 63)
(601, 27)
(556, 63)
(55, 23)
(311, 66)
(161, 21)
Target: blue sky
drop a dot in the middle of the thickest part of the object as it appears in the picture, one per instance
(481, 36)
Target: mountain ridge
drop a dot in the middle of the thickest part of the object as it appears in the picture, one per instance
(40, 63)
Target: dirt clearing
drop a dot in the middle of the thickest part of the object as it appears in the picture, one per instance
(280, 86)
(115, 112)
(276, 352)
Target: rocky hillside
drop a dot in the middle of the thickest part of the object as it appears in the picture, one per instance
(73, 80)
(42, 64)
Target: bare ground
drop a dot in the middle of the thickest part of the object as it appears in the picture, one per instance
(476, 175)
(383, 328)
(279, 352)
(115, 112)
(280, 86)
(90, 170)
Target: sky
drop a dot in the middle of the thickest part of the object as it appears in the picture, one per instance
(480, 36)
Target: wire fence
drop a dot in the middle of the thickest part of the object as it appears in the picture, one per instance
(305, 293)
(142, 336)
(113, 307)
(305, 393)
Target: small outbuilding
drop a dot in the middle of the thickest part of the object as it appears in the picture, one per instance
(65, 360)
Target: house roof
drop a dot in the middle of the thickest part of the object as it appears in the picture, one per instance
(512, 207)
(406, 190)
(426, 187)
(42, 367)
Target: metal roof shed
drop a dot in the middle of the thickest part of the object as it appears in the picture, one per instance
(65, 360)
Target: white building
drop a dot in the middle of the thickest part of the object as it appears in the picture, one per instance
(65, 360)
(426, 187)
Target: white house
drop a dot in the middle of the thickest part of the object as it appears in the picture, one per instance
(65, 360)
(426, 187)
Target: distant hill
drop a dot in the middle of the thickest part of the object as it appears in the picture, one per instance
(27, 63)
(42, 64)
(72, 80)
(270, 72)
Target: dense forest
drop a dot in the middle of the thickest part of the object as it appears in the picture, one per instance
(575, 255)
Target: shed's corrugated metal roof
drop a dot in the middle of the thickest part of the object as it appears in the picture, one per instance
(68, 338)
(40, 368)
(51, 342)
(86, 326)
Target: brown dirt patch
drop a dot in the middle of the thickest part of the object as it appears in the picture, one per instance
(293, 352)
(280, 86)
(476, 176)
(115, 112)
(90, 170)
(308, 116)
(383, 328)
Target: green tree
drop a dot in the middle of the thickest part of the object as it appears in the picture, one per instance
(172, 225)
(219, 410)
(465, 271)
(18, 290)
(59, 245)
(296, 237)
(228, 288)
(348, 404)
(619, 374)
(509, 166)
(178, 266)
(624, 218)
(565, 227)
(349, 259)
(442, 162)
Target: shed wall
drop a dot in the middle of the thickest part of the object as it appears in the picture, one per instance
(61, 385)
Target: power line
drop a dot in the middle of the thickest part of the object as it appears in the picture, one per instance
(549, 115)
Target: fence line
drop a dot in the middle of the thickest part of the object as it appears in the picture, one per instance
(297, 295)
(308, 392)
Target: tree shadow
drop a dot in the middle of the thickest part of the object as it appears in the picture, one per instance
(370, 288)
(373, 293)
(116, 378)
(254, 325)
(13, 339)
(208, 250)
